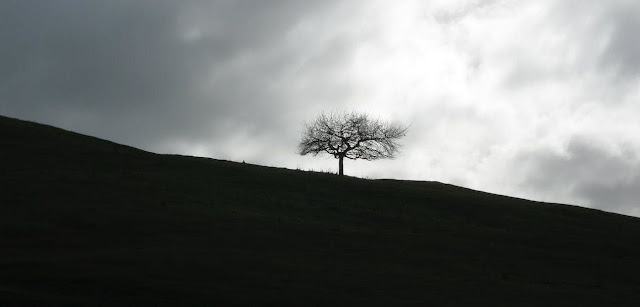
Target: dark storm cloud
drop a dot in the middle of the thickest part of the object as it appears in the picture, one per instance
(141, 71)
(604, 178)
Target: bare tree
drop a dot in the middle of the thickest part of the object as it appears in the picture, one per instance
(352, 136)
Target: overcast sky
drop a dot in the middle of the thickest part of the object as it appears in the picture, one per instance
(531, 98)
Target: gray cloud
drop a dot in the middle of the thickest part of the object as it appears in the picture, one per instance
(481, 81)
(455, 14)
(586, 38)
(616, 22)
(593, 173)
(143, 71)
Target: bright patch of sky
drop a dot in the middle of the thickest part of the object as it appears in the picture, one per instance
(536, 99)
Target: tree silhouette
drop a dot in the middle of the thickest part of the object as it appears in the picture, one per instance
(352, 136)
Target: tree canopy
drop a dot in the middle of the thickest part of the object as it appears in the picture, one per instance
(352, 136)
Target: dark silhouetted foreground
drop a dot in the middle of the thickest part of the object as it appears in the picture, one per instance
(88, 222)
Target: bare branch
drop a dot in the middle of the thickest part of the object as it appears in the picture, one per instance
(352, 136)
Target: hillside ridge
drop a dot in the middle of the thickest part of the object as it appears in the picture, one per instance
(85, 221)
(13, 128)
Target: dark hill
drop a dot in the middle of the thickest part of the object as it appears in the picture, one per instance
(85, 221)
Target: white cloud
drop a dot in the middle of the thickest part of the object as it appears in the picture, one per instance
(495, 91)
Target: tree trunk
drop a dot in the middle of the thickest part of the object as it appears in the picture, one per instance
(341, 165)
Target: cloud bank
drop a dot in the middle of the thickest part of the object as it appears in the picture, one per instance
(535, 99)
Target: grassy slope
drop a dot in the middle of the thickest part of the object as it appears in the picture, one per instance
(86, 221)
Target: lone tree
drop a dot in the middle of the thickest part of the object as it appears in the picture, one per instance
(352, 136)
